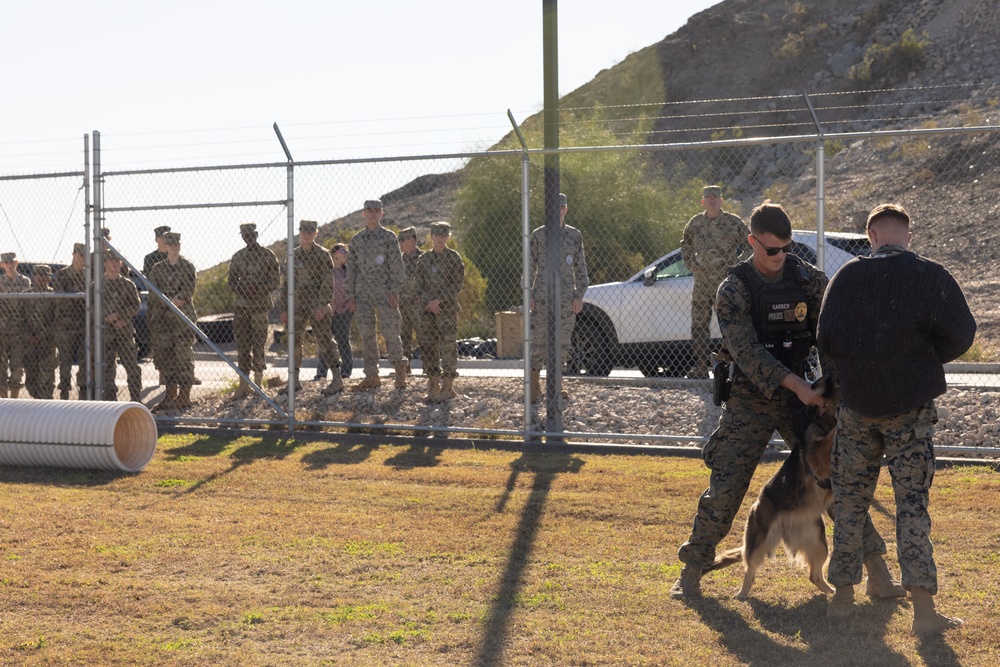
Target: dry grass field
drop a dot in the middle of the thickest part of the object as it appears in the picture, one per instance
(247, 551)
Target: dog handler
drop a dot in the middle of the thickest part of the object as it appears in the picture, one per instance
(767, 307)
(890, 321)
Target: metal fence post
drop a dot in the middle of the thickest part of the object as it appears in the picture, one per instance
(290, 332)
(88, 303)
(93, 270)
(525, 277)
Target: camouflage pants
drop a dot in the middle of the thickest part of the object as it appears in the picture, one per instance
(326, 346)
(71, 344)
(539, 333)
(250, 332)
(121, 346)
(732, 453)
(906, 439)
(173, 349)
(40, 369)
(11, 360)
(702, 305)
(388, 319)
(438, 348)
(410, 320)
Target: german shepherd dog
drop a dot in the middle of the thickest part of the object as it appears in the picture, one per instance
(790, 507)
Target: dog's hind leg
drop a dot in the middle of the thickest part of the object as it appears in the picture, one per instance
(816, 552)
(758, 544)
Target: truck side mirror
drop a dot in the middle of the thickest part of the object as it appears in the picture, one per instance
(649, 276)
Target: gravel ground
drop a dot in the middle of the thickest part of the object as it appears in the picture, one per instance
(968, 417)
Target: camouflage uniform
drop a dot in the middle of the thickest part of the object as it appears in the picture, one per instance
(40, 348)
(122, 298)
(440, 276)
(410, 308)
(253, 276)
(71, 329)
(313, 291)
(757, 406)
(173, 338)
(573, 285)
(890, 321)
(374, 272)
(709, 246)
(12, 332)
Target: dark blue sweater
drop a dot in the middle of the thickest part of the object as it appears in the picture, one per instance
(889, 322)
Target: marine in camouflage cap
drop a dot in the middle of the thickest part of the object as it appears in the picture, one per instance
(172, 238)
(440, 229)
(308, 226)
(8, 257)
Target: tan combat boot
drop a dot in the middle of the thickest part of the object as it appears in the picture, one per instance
(243, 390)
(447, 390)
(880, 583)
(433, 387)
(688, 585)
(926, 620)
(842, 603)
(3, 392)
(258, 378)
(370, 382)
(184, 397)
(15, 392)
(336, 384)
(401, 375)
(169, 401)
(536, 386)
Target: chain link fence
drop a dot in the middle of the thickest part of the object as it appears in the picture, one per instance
(633, 351)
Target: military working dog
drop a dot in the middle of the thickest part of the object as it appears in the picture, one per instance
(791, 505)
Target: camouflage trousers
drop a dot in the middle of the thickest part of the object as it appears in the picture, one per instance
(732, 453)
(906, 440)
(250, 332)
(71, 344)
(40, 369)
(702, 305)
(388, 319)
(410, 320)
(173, 349)
(326, 346)
(438, 349)
(539, 333)
(11, 361)
(121, 346)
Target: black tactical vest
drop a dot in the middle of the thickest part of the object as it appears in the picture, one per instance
(781, 312)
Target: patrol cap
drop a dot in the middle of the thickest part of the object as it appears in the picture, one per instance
(562, 200)
(41, 270)
(248, 228)
(373, 203)
(160, 231)
(172, 238)
(711, 190)
(440, 228)
(80, 249)
(308, 225)
(7, 257)
(105, 232)
(408, 233)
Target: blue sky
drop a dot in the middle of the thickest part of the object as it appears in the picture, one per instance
(201, 82)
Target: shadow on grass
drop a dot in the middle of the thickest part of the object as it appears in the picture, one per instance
(419, 455)
(935, 651)
(255, 450)
(343, 453)
(545, 467)
(60, 476)
(810, 638)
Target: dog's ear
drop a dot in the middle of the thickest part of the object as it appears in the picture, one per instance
(827, 385)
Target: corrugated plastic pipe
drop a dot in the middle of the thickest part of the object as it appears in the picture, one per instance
(76, 434)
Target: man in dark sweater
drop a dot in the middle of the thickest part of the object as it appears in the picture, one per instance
(889, 322)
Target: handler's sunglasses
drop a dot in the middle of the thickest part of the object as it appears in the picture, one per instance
(771, 252)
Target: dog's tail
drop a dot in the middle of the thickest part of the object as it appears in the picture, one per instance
(724, 560)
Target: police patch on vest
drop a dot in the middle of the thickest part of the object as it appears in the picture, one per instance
(786, 311)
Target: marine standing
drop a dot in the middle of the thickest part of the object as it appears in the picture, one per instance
(768, 306)
(253, 276)
(573, 283)
(71, 323)
(440, 276)
(148, 261)
(410, 310)
(173, 336)
(39, 336)
(313, 294)
(11, 327)
(712, 242)
(890, 321)
(375, 276)
(121, 303)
